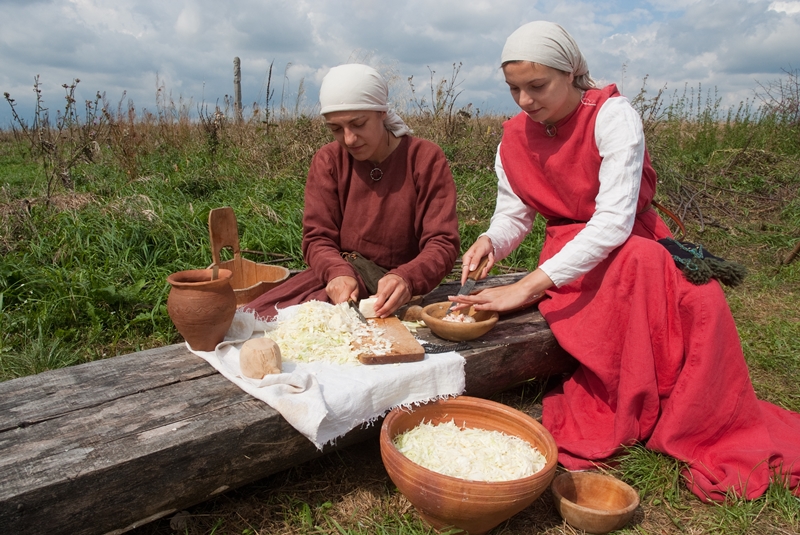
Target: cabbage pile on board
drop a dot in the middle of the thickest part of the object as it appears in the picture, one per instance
(322, 332)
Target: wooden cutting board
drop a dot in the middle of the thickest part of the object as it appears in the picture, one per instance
(405, 347)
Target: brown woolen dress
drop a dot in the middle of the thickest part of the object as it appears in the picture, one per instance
(405, 222)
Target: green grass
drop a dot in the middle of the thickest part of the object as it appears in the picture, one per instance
(89, 267)
(83, 276)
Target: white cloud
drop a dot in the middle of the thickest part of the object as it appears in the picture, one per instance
(188, 23)
(99, 17)
(785, 7)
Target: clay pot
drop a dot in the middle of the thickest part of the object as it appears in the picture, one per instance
(472, 506)
(201, 309)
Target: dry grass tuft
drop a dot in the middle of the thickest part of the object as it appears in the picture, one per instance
(16, 215)
(134, 206)
(72, 201)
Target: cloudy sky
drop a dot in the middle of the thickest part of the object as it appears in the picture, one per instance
(129, 48)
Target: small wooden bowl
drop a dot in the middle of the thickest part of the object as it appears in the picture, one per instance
(594, 502)
(458, 332)
(472, 506)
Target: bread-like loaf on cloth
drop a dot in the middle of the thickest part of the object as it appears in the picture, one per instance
(413, 313)
(367, 307)
(259, 357)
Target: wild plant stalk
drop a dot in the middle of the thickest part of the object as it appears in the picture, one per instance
(211, 124)
(61, 146)
(782, 97)
(440, 109)
(269, 99)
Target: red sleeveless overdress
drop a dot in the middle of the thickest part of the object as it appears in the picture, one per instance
(660, 358)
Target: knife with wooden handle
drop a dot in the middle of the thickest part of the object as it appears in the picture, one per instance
(472, 279)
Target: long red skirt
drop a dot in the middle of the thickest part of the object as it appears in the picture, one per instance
(661, 364)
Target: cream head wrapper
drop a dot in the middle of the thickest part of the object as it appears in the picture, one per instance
(547, 43)
(356, 87)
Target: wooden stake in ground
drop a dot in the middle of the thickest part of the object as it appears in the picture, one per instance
(237, 88)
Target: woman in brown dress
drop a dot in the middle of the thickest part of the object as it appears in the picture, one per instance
(376, 191)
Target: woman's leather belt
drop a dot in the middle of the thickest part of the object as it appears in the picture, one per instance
(558, 221)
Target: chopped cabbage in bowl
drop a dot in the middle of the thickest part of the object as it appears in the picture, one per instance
(472, 454)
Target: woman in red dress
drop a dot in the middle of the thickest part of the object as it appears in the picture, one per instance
(660, 358)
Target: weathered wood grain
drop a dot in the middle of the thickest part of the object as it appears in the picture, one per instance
(109, 445)
(36, 398)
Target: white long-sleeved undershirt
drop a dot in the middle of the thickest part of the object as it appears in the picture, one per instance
(620, 141)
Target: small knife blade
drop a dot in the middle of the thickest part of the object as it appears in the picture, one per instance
(472, 279)
(354, 306)
(446, 348)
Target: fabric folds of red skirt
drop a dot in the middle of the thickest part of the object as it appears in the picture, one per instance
(661, 364)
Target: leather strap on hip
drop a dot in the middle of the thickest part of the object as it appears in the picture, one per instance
(663, 209)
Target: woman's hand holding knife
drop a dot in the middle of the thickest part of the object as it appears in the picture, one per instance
(499, 298)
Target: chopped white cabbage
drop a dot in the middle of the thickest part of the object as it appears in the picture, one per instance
(458, 318)
(472, 454)
(321, 332)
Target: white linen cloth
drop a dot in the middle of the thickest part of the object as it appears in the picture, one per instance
(325, 401)
(620, 140)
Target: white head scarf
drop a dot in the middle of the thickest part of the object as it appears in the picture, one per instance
(548, 44)
(356, 87)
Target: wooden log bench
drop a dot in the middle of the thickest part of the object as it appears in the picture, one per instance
(110, 445)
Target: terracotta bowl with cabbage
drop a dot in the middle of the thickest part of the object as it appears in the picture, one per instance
(478, 322)
(474, 506)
